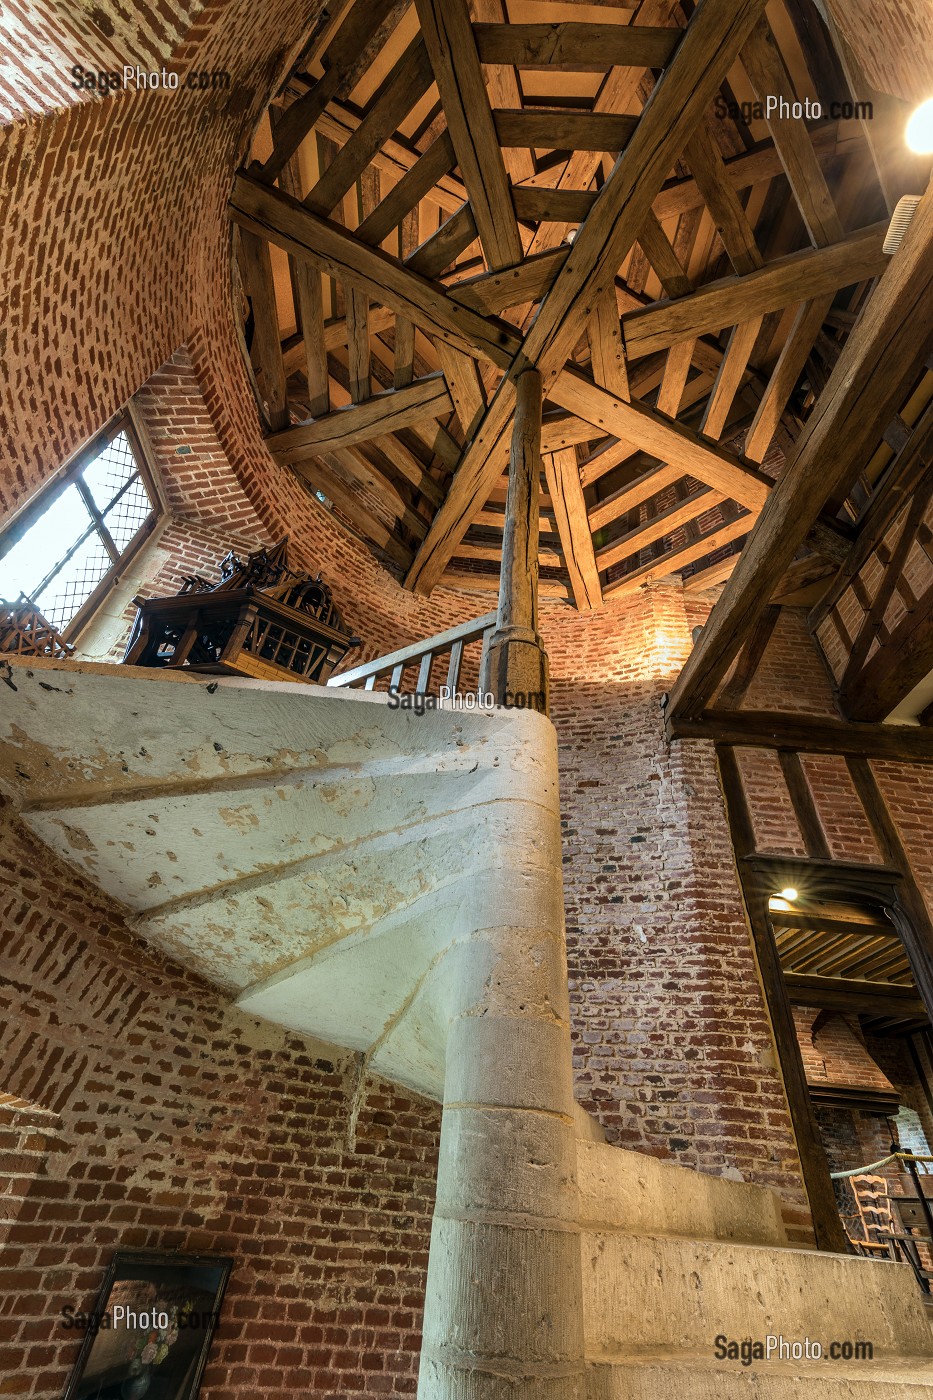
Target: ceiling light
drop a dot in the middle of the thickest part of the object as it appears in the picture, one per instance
(919, 131)
(904, 211)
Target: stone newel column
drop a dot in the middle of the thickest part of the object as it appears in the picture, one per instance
(516, 670)
(503, 1313)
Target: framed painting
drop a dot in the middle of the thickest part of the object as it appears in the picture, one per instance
(151, 1328)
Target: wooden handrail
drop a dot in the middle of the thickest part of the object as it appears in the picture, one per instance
(424, 653)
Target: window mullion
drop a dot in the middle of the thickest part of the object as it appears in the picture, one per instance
(98, 520)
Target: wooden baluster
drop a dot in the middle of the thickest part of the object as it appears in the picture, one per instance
(424, 673)
(453, 666)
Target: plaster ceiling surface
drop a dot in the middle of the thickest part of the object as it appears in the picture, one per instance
(313, 853)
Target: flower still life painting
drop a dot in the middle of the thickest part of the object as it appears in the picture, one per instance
(150, 1331)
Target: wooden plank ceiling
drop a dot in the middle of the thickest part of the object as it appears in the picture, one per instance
(847, 958)
(446, 191)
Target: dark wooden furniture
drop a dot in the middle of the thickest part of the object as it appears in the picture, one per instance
(262, 620)
(25, 632)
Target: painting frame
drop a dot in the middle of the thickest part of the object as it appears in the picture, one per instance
(133, 1267)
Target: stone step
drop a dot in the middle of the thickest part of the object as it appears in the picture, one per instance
(642, 1195)
(702, 1377)
(659, 1293)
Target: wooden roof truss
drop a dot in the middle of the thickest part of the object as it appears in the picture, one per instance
(446, 193)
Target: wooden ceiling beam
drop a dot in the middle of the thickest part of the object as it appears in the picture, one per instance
(566, 204)
(381, 488)
(616, 94)
(658, 527)
(807, 274)
(490, 292)
(558, 130)
(854, 994)
(721, 199)
(394, 159)
(285, 222)
(882, 355)
(438, 160)
(540, 202)
(711, 41)
(657, 249)
(893, 555)
(407, 82)
(577, 46)
(355, 32)
(359, 422)
(749, 659)
(758, 729)
(711, 576)
(607, 353)
(448, 35)
(488, 553)
(730, 378)
(445, 245)
(465, 386)
(322, 477)
(266, 349)
(504, 90)
(904, 475)
(787, 370)
(468, 581)
(407, 465)
(634, 494)
(675, 559)
(566, 493)
(669, 441)
(767, 72)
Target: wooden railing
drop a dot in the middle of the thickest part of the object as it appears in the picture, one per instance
(425, 656)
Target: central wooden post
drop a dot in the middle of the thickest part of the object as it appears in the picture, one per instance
(516, 667)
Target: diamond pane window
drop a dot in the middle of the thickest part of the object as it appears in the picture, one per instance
(74, 582)
(109, 473)
(70, 543)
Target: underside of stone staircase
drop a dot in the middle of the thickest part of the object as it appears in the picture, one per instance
(390, 882)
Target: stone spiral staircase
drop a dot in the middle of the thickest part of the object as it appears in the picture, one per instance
(673, 1259)
(391, 882)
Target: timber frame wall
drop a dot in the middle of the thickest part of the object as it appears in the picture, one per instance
(890, 883)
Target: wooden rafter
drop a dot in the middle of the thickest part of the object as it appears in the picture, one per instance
(452, 212)
(448, 35)
(346, 427)
(884, 351)
(566, 493)
(712, 39)
(783, 283)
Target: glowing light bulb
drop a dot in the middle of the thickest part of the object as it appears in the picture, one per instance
(919, 131)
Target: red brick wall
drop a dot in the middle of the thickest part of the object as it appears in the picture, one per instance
(161, 1118)
(833, 1050)
(673, 1050)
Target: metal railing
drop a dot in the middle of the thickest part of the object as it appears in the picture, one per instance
(425, 656)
